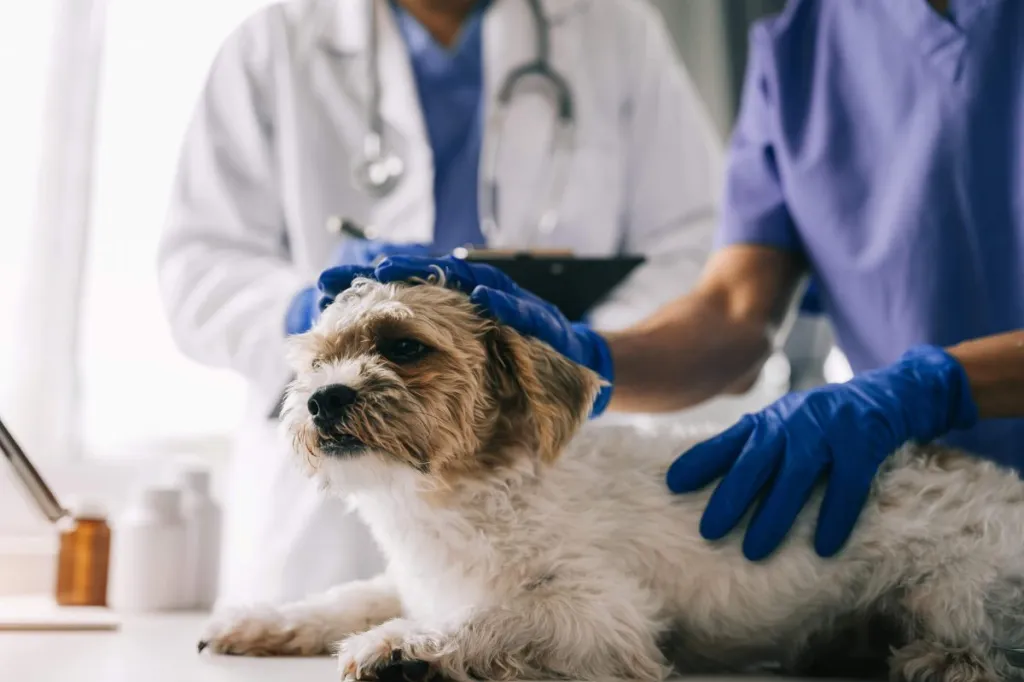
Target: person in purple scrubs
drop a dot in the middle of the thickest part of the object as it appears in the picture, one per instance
(879, 149)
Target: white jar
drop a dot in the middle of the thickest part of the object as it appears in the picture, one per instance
(149, 544)
(202, 517)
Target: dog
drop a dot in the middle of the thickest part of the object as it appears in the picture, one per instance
(523, 544)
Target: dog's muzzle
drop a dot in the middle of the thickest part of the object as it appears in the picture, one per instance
(329, 404)
(328, 407)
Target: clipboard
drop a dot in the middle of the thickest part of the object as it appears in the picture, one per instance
(573, 285)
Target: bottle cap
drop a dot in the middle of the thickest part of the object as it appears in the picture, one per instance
(195, 480)
(86, 508)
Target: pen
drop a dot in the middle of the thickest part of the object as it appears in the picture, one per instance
(347, 226)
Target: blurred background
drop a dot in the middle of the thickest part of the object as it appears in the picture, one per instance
(97, 97)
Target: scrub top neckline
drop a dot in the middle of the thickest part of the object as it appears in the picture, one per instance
(940, 39)
(421, 41)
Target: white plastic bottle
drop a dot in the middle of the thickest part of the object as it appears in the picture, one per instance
(202, 518)
(148, 548)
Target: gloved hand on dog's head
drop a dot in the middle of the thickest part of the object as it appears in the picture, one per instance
(361, 254)
(497, 296)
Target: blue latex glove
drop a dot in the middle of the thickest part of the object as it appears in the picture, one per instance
(368, 252)
(840, 432)
(305, 309)
(499, 297)
(302, 313)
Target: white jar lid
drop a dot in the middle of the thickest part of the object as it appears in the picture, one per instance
(161, 500)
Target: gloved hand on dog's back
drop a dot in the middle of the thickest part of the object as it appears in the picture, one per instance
(841, 432)
(359, 253)
(497, 296)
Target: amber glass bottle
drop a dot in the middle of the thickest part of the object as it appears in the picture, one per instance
(84, 557)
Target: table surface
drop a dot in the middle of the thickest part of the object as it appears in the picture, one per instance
(152, 649)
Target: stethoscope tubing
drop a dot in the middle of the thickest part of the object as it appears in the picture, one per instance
(379, 169)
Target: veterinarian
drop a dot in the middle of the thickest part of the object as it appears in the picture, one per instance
(386, 113)
(879, 147)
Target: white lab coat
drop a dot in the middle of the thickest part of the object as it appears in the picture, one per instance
(266, 162)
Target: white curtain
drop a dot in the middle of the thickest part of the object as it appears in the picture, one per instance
(88, 338)
(44, 373)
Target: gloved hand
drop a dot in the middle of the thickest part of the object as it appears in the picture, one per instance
(842, 432)
(305, 309)
(499, 297)
(369, 252)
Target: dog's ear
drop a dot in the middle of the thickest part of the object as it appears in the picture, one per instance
(543, 397)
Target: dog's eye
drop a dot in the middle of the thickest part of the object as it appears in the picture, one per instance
(402, 351)
(316, 364)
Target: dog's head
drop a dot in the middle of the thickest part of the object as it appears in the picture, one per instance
(410, 375)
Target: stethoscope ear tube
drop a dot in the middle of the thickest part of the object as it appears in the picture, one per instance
(562, 144)
(378, 170)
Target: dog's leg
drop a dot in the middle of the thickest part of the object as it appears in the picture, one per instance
(950, 631)
(562, 629)
(306, 628)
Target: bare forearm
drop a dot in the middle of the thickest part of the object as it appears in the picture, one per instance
(712, 341)
(995, 371)
(683, 356)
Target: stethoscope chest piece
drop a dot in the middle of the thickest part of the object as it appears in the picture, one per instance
(379, 170)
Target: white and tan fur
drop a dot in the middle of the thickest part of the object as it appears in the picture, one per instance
(521, 545)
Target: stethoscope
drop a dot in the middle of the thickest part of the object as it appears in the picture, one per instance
(380, 169)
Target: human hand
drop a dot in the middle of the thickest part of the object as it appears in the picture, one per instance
(353, 253)
(840, 432)
(497, 296)
(369, 252)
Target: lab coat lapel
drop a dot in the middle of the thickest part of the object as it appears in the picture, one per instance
(528, 122)
(400, 101)
(407, 214)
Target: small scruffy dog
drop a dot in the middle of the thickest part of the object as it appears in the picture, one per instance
(521, 546)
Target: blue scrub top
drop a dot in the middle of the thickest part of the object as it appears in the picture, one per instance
(450, 86)
(886, 144)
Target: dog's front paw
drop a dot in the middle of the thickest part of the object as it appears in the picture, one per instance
(396, 651)
(263, 631)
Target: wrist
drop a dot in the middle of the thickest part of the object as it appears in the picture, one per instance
(600, 360)
(942, 379)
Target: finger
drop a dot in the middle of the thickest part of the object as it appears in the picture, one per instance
(335, 280)
(788, 494)
(403, 268)
(849, 484)
(524, 315)
(493, 278)
(390, 250)
(709, 460)
(753, 469)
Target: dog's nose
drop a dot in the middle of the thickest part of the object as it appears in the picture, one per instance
(330, 402)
